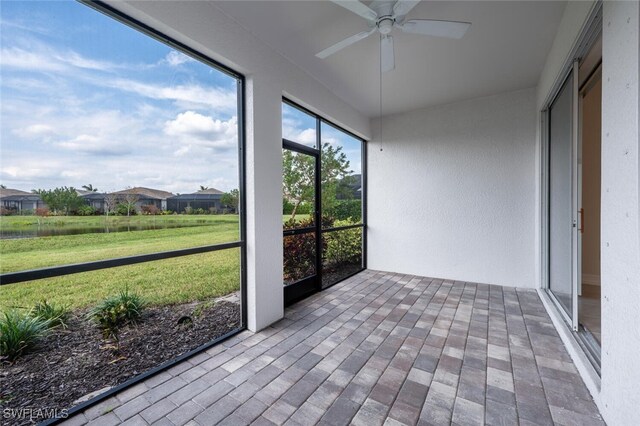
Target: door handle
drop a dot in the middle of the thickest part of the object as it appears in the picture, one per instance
(581, 229)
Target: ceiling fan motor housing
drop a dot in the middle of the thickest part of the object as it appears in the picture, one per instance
(385, 25)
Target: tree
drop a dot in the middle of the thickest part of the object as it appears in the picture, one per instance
(129, 202)
(63, 199)
(231, 199)
(297, 179)
(335, 168)
(110, 203)
(298, 171)
(90, 188)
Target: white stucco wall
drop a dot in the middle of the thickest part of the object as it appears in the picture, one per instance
(620, 274)
(451, 194)
(202, 26)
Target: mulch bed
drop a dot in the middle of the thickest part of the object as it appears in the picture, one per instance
(332, 275)
(69, 364)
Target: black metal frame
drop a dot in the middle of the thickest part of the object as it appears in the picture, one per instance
(17, 277)
(305, 287)
(310, 285)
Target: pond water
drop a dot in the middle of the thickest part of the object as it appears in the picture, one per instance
(50, 231)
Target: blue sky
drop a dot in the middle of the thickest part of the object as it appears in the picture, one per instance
(300, 127)
(86, 99)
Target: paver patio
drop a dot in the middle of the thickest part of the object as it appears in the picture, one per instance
(376, 348)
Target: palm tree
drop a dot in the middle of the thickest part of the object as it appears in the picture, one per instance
(90, 188)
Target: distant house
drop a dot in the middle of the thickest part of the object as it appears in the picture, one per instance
(145, 197)
(18, 201)
(208, 199)
(94, 199)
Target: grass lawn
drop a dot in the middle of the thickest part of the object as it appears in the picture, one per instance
(31, 253)
(299, 217)
(161, 282)
(169, 281)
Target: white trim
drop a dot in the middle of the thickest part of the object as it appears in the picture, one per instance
(591, 279)
(588, 373)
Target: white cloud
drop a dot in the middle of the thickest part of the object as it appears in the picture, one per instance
(292, 131)
(36, 130)
(41, 57)
(13, 57)
(175, 58)
(184, 94)
(195, 129)
(96, 145)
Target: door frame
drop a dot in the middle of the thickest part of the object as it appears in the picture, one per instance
(590, 31)
(310, 285)
(572, 318)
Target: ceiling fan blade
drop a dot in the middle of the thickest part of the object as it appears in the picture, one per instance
(431, 27)
(358, 8)
(387, 57)
(344, 43)
(402, 7)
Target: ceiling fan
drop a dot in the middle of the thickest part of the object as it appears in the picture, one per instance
(382, 16)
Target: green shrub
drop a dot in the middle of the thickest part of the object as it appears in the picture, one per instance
(305, 208)
(122, 209)
(55, 314)
(19, 332)
(117, 311)
(86, 211)
(348, 209)
(299, 252)
(343, 247)
(287, 206)
(344, 210)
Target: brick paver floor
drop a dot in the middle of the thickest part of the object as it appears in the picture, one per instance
(376, 348)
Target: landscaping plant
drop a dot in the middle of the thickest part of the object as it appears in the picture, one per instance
(343, 247)
(116, 312)
(19, 332)
(57, 315)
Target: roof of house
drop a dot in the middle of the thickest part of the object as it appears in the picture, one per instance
(209, 191)
(22, 197)
(205, 194)
(93, 195)
(8, 192)
(146, 192)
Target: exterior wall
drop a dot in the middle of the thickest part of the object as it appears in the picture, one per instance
(620, 273)
(204, 27)
(619, 393)
(451, 191)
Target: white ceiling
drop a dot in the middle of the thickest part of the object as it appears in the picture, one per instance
(504, 49)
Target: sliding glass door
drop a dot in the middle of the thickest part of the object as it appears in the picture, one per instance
(563, 256)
